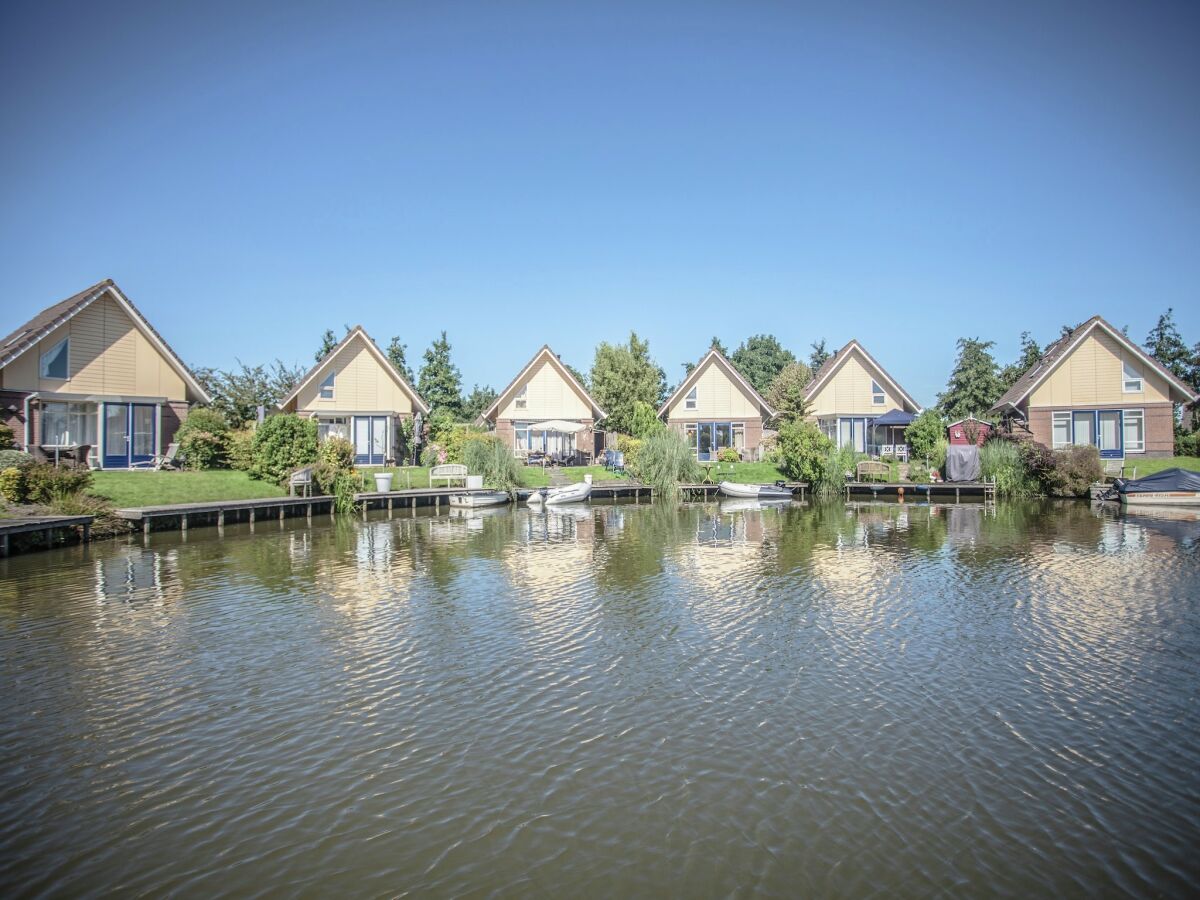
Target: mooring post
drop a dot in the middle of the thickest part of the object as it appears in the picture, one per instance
(183, 522)
(145, 526)
(87, 531)
(309, 513)
(220, 520)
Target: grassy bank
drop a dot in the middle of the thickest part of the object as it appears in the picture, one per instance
(125, 489)
(1150, 466)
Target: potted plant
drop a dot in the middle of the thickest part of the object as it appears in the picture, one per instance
(383, 482)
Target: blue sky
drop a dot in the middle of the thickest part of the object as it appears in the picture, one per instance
(527, 173)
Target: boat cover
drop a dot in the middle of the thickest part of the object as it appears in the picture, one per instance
(962, 462)
(1165, 481)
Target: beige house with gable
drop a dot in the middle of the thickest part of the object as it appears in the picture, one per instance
(716, 408)
(355, 392)
(850, 392)
(1094, 386)
(90, 371)
(545, 394)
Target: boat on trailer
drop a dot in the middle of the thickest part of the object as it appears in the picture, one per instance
(479, 499)
(777, 491)
(571, 493)
(1170, 487)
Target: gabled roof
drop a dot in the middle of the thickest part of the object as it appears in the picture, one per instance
(831, 365)
(545, 353)
(717, 358)
(1057, 353)
(358, 331)
(28, 335)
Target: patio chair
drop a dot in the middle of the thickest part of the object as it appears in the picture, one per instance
(301, 480)
(158, 463)
(618, 464)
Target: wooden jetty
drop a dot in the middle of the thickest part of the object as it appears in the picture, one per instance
(982, 490)
(42, 525)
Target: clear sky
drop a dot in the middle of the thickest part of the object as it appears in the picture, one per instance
(523, 173)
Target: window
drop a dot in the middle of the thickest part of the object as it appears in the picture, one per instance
(522, 436)
(1132, 382)
(689, 401)
(829, 428)
(68, 424)
(333, 426)
(877, 396)
(54, 361)
(1135, 431)
(739, 436)
(690, 432)
(522, 397)
(1061, 429)
(327, 386)
(1083, 426)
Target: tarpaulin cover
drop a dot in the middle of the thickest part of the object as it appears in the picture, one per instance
(1166, 480)
(962, 462)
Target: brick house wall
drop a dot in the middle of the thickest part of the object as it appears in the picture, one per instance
(753, 430)
(584, 440)
(14, 418)
(1160, 426)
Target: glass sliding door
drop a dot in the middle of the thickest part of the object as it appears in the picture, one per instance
(116, 435)
(852, 432)
(704, 442)
(130, 434)
(141, 436)
(370, 440)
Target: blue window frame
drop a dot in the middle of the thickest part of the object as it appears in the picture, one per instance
(1103, 429)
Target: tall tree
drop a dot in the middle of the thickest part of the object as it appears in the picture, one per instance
(819, 355)
(581, 377)
(975, 382)
(238, 393)
(477, 401)
(715, 344)
(760, 358)
(328, 342)
(396, 355)
(623, 374)
(439, 381)
(786, 392)
(1166, 345)
(1027, 359)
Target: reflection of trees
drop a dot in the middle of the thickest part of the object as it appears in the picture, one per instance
(639, 550)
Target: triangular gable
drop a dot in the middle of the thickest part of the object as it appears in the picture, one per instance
(1058, 353)
(357, 332)
(549, 355)
(53, 317)
(834, 364)
(715, 357)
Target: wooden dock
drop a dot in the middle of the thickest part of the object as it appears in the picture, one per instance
(982, 490)
(42, 525)
(220, 511)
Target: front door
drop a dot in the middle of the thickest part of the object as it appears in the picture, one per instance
(129, 434)
(1110, 434)
(712, 438)
(370, 440)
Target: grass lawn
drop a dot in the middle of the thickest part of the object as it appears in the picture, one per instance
(127, 489)
(755, 473)
(1150, 466)
(531, 476)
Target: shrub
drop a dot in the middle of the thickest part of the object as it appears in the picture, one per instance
(1003, 461)
(769, 447)
(664, 461)
(729, 455)
(239, 449)
(631, 447)
(924, 433)
(336, 452)
(80, 503)
(644, 421)
(12, 484)
(43, 482)
(837, 463)
(203, 439)
(16, 458)
(1076, 469)
(6, 437)
(455, 438)
(804, 450)
(1186, 445)
(433, 455)
(281, 445)
(493, 459)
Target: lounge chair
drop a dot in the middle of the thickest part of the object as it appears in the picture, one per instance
(158, 463)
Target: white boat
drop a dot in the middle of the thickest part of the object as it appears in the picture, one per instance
(571, 493)
(755, 491)
(478, 499)
(1171, 487)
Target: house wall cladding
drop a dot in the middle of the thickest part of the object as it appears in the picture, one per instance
(718, 398)
(361, 384)
(1094, 375)
(848, 391)
(548, 395)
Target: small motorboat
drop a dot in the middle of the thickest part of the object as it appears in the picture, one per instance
(1170, 487)
(571, 493)
(776, 491)
(479, 499)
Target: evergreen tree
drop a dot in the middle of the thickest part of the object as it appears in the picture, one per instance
(439, 380)
(819, 355)
(760, 358)
(975, 382)
(786, 392)
(623, 374)
(1030, 354)
(1166, 345)
(328, 342)
(477, 401)
(396, 355)
(581, 377)
(689, 367)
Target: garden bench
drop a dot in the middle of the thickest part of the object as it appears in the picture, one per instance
(1116, 468)
(301, 480)
(448, 472)
(869, 470)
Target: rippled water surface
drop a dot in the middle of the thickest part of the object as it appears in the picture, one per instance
(613, 700)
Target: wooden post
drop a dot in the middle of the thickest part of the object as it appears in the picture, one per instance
(87, 531)
(183, 522)
(220, 521)
(309, 513)
(4, 544)
(145, 526)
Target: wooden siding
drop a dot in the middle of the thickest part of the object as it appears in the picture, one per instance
(360, 384)
(718, 398)
(548, 396)
(107, 355)
(1093, 375)
(848, 392)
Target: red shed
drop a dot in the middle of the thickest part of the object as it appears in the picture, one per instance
(961, 432)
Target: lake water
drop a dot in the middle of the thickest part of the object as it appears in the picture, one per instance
(610, 701)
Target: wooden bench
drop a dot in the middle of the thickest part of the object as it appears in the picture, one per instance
(301, 480)
(448, 472)
(869, 470)
(1116, 468)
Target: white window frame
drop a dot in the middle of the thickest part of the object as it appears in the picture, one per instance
(878, 396)
(1058, 417)
(521, 401)
(65, 342)
(691, 401)
(1136, 379)
(325, 424)
(1128, 415)
(327, 384)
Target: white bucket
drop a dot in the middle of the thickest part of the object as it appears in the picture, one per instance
(474, 482)
(383, 482)
(588, 478)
